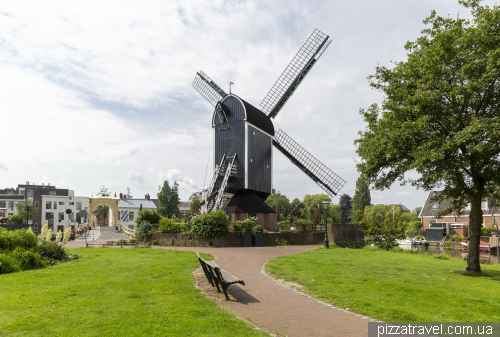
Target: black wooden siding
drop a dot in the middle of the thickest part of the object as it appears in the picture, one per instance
(230, 139)
(259, 160)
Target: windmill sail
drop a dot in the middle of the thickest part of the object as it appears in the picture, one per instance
(319, 173)
(208, 88)
(294, 73)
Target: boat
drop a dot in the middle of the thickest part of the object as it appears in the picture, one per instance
(483, 245)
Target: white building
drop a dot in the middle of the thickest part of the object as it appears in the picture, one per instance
(129, 208)
(55, 208)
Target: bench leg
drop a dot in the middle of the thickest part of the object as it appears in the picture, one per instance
(207, 274)
(224, 288)
(216, 280)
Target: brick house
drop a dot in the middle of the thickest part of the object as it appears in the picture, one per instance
(455, 222)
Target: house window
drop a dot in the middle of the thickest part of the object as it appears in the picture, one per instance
(52, 192)
(78, 205)
(71, 216)
(11, 205)
(2, 204)
(130, 226)
(55, 204)
(435, 206)
(61, 216)
(48, 205)
(22, 192)
(30, 193)
(131, 216)
(36, 204)
(61, 202)
(71, 203)
(49, 216)
(36, 228)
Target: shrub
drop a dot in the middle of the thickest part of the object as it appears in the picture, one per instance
(7, 265)
(171, 226)
(143, 231)
(284, 226)
(384, 233)
(148, 215)
(246, 225)
(26, 259)
(52, 250)
(6, 240)
(211, 224)
(413, 228)
(486, 231)
(155, 243)
(25, 239)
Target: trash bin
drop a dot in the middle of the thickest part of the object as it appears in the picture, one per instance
(246, 239)
(258, 239)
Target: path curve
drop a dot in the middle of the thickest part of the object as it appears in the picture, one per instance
(276, 308)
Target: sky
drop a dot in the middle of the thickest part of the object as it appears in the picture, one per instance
(99, 92)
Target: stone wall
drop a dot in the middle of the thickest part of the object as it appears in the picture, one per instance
(234, 239)
(338, 233)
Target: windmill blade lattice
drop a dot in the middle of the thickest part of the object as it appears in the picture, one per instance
(208, 88)
(316, 170)
(294, 73)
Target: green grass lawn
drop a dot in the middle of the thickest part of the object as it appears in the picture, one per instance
(114, 292)
(394, 287)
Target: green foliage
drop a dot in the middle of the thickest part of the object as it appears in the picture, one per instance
(360, 200)
(168, 197)
(284, 205)
(7, 264)
(486, 231)
(171, 226)
(148, 215)
(211, 224)
(246, 225)
(310, 210)
(22, 213)
(413, 228)
(17, 219)
(52, 250)
(439, 116)
(345, 203)
(9, 240)
(143, 231)
(384, 233)
(351, 244)
(27, 259)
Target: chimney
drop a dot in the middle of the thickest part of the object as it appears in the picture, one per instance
(27, 182)
(121, 195)
(48, 184)
(43, 184)
(140, 208)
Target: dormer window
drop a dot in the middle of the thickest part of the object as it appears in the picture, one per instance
(435, 206)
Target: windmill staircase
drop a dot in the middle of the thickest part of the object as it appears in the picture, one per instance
(215, 191)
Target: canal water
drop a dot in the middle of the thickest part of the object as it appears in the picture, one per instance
(484, 257)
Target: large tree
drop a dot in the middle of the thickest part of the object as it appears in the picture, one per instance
(345, 203)
(284, 205)
(360, 200)
(440, 116)
(168, 198)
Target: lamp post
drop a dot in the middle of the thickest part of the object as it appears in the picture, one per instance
(325, 207)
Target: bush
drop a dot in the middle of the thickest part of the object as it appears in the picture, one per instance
(246, 225)
(384, 233)
(52, 250)
(171, 226)
(25, 239)
(143, 231)
(284, 226)
(7, 265)
(486, 231)
(148, 215)
(26, 259)
(413, 228)
(6, 240)
(211, 224)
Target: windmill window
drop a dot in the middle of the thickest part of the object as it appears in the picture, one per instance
(435, 206)
(251, 160)
(254, 133)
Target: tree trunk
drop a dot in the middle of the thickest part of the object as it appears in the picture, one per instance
(475, 224)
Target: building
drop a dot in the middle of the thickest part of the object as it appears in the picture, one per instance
(129, 208)
(455, 222)
(51, 202)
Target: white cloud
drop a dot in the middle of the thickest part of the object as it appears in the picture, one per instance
(404, 194)
(96, 90)
(136, 178)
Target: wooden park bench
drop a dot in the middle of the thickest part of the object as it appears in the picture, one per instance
(218, 277)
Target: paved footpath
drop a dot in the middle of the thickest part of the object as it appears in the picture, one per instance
(277, 309)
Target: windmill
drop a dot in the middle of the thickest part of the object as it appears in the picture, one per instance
(244, 136)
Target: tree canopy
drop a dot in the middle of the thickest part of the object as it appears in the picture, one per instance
(361, 199)
(440, 116)
(23, 213)
(168, 198)
(284, 205)
(345, 203)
